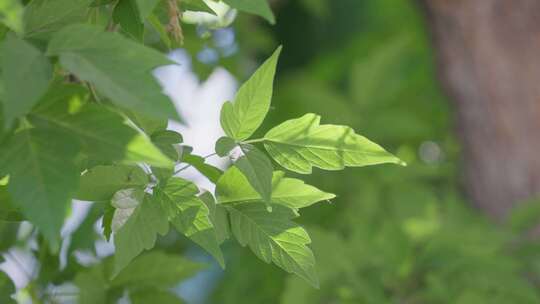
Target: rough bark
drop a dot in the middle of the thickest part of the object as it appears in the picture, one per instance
(489, 64)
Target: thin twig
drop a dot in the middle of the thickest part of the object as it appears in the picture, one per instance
(175, 16)
(93, 92)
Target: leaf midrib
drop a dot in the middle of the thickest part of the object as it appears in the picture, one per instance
(319, 147)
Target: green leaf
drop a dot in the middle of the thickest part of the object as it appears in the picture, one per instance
(26, 76)
(256, 7)
(8, 235)
(252, 102)
(156, 269)
(198, 162)
(166, 140)
(257, 168)
(224, 146)
(197, 5)
(100, 183)
(160, 30)
(11, 14)
(139, 232)
(302, 143)
(154, 295)
(105, 59)
(2, 120)
(127, 15)
(146, 7)
(148, 124)
(233, 187)
(106, 222)
(96, 3)
(190, 215)
(273, 237)
(103, 133)
(8, 212)
(7, 288)
(44, 17)
(218, 216)
(167, 137)
(125, 202)
(92, 286)
(43, 177)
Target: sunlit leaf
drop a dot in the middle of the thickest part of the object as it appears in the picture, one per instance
(240, 119)
(233, 187)
(11, 14)
(302, 143)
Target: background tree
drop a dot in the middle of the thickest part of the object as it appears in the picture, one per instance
(489, 66)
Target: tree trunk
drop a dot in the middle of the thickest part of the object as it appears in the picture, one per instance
(489, 63)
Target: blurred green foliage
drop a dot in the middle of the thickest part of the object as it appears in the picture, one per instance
(394, 235)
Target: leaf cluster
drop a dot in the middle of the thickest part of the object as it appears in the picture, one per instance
(82, 117)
